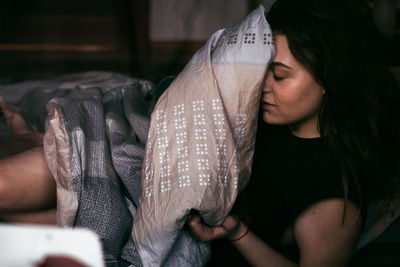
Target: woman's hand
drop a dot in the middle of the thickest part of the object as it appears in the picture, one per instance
(231, 228)
(256, 252)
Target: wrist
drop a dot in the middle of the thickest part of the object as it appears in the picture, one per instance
(240, 231)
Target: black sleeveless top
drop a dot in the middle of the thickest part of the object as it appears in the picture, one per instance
(289, 175)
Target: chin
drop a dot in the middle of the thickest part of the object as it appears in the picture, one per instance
(268, 118)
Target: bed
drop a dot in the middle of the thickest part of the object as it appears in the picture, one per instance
(98, 126)
(379, 241)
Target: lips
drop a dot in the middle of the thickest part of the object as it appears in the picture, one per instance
(265, 105)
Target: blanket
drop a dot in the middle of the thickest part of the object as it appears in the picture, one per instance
(94, 146)
(97, 125)
(96, 129)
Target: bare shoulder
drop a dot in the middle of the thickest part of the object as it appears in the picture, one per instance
(327, 232)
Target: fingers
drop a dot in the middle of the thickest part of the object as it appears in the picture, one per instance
(194, 220)
(198, 228)
(203, 231)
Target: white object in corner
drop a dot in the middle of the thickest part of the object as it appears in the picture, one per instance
(26, 246)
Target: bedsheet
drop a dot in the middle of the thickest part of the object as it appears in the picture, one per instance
(94, 146)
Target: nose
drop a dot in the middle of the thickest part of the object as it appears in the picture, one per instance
(267, 87)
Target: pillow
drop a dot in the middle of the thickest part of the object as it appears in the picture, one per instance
(201, 139)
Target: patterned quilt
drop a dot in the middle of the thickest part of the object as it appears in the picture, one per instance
(97, 124)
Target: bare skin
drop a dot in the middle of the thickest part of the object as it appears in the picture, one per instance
(291, 96)
(43, 217)
(27, 195)
(323, 238)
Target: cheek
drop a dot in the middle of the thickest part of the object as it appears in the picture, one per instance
(299, 99)
(288, 98)
(311, 103)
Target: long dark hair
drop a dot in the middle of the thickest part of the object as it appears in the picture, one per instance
(336, 40)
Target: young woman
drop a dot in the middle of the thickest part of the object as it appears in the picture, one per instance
(327, 147)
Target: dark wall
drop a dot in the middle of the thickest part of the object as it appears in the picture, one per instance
(50, 37)
(43, 38)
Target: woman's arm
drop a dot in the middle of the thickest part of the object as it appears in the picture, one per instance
(325, 235)
(249, 245)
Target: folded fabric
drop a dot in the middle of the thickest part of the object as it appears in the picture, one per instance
(94, 146)
(201, 141)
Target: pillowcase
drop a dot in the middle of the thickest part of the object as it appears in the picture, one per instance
(201, 140)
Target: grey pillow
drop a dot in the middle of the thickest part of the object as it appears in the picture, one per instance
(201, 140)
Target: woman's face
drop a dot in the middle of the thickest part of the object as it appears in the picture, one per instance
(291, 96)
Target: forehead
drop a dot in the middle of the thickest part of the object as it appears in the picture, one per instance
(283, 54)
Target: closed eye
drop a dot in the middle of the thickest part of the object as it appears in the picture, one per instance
(280, 68)
(278, 78)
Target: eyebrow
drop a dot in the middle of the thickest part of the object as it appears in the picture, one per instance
(279, 64)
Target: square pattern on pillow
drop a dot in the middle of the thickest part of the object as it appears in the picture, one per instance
(201, 140)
